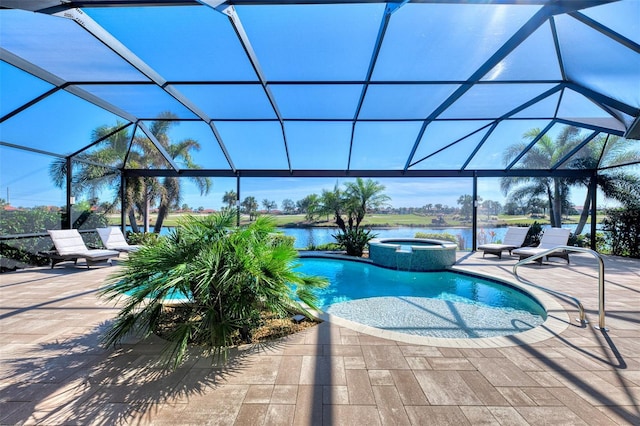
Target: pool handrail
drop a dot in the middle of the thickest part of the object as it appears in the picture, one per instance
(601, 308)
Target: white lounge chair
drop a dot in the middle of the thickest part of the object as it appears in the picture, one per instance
(552, 237)
(113, 239)
(70, 246)
(513, 239)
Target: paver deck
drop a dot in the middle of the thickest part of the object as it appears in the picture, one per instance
(53, 371)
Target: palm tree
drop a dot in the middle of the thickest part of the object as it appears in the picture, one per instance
(227, 275)
(91, 178)
(363, 196)
(617, 185)
(354, 202)
(230, 198)
(310, 206)
(141, 192)
(170, 190)
(250, 205)
(543, 155)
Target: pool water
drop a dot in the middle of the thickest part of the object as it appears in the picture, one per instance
(437, 304)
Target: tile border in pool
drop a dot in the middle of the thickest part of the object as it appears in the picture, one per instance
(557, 318)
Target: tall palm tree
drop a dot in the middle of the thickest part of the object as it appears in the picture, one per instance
(170, 191)
(617, 185)
(230, 198)
(141, 193)
(354, 202)
(91, 178)
(543, 155)
(363, 196)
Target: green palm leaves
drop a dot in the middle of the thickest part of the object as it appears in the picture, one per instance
(228, 276)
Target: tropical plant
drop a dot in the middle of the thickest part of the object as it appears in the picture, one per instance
(545, 154)
(353, 202)
(99, 169)
(353, 240)
(534, 235)
(618, 185)
(229, 275)
(170, 190)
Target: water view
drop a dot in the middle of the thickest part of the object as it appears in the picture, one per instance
(310, 237)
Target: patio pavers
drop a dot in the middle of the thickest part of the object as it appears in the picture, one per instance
(53, 370)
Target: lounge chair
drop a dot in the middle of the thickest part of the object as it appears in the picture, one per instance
(113, 239)
(513, 239)
(70, 246)
(552, 237)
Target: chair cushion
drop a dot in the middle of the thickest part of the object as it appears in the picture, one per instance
(67, 241)
(112, 237)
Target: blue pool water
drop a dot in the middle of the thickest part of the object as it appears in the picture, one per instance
(437, 304)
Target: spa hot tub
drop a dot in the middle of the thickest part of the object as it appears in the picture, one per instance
(412, 254)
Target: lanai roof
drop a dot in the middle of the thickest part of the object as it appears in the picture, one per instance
(323, 88)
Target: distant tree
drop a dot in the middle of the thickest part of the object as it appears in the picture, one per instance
(185, 207)
(230, 198)
(269, 205)
(513, 208)
(250, 206)
(438, 208)
(288, 206)
(491, 207)
(536, 205)
(466, 205)
(428, 207)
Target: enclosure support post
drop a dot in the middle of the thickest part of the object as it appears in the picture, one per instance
(68, 221)
(594, 209)
(238, 199)
(123, 206)
(474, 220)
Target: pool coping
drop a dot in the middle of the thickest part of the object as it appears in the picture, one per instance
(557, 321)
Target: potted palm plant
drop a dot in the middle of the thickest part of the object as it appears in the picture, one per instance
(226, 276)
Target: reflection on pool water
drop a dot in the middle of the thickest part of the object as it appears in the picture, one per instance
(437, 304)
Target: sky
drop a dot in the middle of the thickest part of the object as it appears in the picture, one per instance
(295, 45)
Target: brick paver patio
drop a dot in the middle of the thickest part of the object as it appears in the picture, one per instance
(53, 370)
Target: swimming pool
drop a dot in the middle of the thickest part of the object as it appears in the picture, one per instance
(442, 304)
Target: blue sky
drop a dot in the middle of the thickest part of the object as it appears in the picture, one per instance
(296, 44)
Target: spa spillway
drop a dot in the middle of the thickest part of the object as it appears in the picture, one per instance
(412, 254)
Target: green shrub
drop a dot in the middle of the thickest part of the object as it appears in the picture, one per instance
(324, 247)
(622, 231)
(280, 238)
(444, 236)
(142, 238)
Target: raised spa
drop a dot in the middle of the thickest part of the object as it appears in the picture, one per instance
(412, 254)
